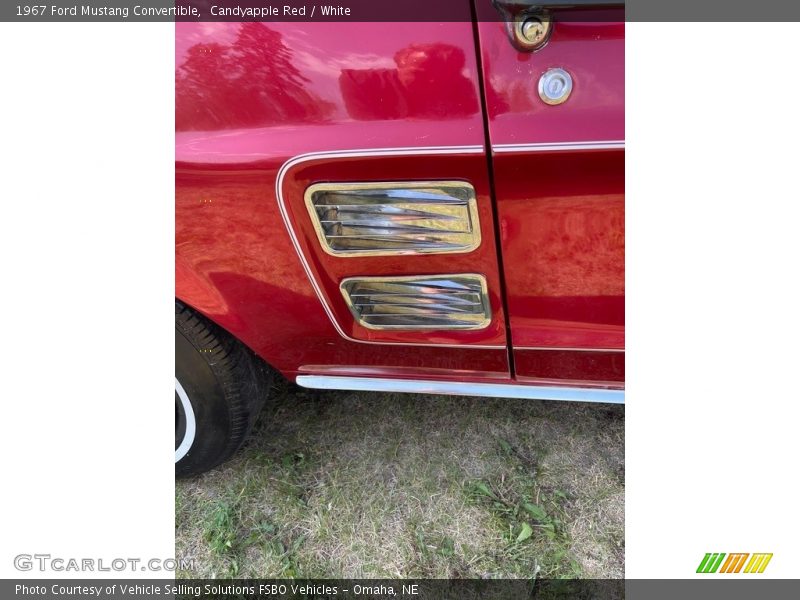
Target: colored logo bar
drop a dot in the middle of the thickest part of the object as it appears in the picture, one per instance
(713, 562)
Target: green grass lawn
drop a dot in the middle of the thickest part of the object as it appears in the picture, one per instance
(351, 484)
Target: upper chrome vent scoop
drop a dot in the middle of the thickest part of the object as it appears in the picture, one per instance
(355, 219)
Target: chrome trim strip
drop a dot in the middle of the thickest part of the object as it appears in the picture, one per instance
(301, 158)
(458, 388)
(569, 349)
(560, 146)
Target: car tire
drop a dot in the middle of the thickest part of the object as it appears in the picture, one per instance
(220, 387)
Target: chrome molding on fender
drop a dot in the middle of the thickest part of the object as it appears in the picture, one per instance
(458, 388)
(568, 349)
(394, 218)
(432, 302)
(560, 146)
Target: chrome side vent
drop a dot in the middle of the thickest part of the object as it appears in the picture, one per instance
(421, 302)
(357, 219)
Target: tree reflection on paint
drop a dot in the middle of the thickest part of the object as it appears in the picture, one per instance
(249, 83)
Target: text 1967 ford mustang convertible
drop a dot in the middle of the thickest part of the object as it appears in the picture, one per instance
(429, 207)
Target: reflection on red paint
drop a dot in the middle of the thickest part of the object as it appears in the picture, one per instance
(249, 83)
(428, 83)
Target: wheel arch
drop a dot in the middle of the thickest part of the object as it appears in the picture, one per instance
(204, 298)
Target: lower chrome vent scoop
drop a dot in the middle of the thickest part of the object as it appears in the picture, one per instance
(419, 302)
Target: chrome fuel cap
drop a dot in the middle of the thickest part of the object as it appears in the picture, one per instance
(555, 86)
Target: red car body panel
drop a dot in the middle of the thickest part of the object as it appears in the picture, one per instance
(237, 262)
(262, 109)
(560, 198)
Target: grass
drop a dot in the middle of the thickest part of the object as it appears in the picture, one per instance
(356, 485)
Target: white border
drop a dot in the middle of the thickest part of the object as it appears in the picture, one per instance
(95, 481)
